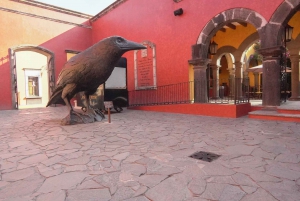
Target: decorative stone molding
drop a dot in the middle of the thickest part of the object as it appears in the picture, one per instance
(146, 62)
(199, 62)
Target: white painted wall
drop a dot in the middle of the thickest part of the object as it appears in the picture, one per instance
(34, 61)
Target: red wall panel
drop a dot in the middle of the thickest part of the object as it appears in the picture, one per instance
(5, 87)
(154, 20)
(74, 39)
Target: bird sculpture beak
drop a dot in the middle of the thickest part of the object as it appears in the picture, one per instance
(130, 45)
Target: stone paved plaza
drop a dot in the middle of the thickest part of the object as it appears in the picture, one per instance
(144, 156)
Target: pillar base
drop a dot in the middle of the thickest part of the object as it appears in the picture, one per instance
(269, 108)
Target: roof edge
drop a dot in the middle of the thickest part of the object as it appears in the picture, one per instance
(54, 8)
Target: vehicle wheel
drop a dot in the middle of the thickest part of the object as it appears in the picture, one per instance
(118, 109)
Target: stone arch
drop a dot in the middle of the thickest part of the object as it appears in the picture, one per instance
(285, 11)
(217, 22)
(50, 67)
(35, 48)
(241, 53)
(272, 47)
(275, 28)
(228, 51)
(246, 44)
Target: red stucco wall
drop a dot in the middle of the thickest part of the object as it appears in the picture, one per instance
(136, 20)
(5, 99)
(140, 20)
(18, 29)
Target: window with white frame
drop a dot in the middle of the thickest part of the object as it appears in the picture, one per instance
(33, 83)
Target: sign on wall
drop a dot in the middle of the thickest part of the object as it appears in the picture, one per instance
(145, 66)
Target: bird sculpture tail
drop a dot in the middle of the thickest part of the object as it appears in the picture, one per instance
(56, 98)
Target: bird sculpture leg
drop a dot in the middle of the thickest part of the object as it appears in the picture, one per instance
(73, 117)
(91, 110)
(68, 104)
(68, 90)
(86, 103)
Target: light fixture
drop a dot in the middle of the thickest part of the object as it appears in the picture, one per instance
(178, 12)
(288, 33)
(213, 48)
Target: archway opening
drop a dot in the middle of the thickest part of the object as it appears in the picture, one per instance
(32, 79)
(291, 57)
(33, 76)
(253, 68)
(233, 39)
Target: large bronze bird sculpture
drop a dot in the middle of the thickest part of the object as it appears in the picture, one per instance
(86, 71)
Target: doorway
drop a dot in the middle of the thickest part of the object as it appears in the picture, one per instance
(32, 79)
(33, 76)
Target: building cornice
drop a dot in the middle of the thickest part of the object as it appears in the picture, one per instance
(54, 8)
(44, 18)
(107, 10)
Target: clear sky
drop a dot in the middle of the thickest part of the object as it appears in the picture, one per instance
(91, 7)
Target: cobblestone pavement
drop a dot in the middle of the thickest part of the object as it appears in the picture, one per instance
(144, 156)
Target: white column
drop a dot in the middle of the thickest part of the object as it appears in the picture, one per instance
(216, 84)
(231, 81)
(256, 81)
(295, 77)
(239, 77)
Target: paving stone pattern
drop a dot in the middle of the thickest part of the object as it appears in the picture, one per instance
(144, 156)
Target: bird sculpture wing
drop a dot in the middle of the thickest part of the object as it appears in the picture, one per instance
(72, 73)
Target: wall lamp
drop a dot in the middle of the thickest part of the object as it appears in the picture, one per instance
(288, 33)
(178, 12)
(213, 48)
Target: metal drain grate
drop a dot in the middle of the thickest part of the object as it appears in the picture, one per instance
(205, 156)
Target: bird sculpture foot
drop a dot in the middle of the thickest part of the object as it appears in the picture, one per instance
(98, 114)
(89, 116)
(76, 118)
